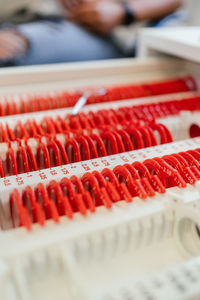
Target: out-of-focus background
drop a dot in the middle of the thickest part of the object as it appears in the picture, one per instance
(55, 31)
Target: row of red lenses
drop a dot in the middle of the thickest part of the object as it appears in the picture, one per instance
(23, 159)
(102, 119)
(96, 189)
(66, 99)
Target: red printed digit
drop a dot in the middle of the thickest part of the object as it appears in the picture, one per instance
(43, 176)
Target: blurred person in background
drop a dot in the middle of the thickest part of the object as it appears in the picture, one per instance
(77, 30)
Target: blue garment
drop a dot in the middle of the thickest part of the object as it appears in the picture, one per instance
(62, 41)
(175, 19)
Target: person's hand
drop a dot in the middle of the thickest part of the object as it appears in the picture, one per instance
(100, 16)
(12, 44)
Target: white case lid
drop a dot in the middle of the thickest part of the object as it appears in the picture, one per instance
(183, 42)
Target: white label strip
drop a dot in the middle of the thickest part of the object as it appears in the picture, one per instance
(179, 282)
(7, 184)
